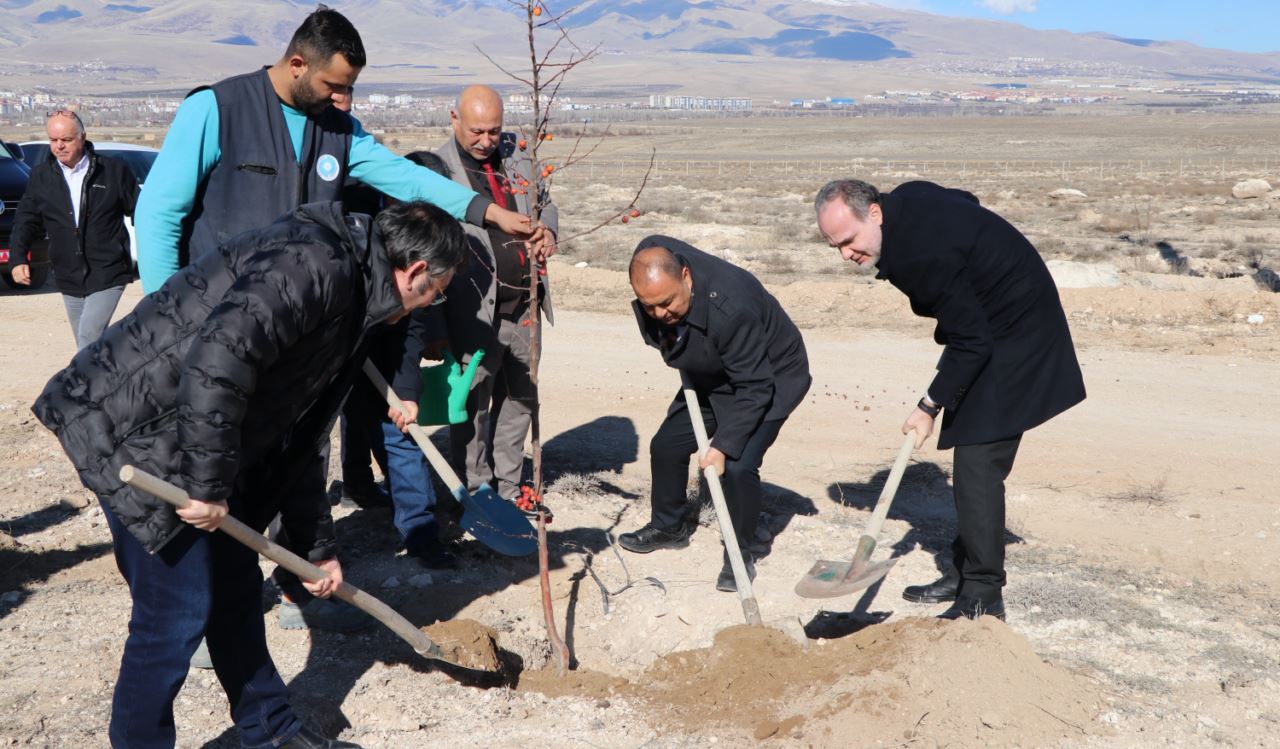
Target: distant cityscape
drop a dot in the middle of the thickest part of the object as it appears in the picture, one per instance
(379, 110)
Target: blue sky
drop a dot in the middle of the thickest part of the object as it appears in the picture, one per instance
(1244, 25)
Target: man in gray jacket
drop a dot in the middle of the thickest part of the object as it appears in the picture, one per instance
(488, 305)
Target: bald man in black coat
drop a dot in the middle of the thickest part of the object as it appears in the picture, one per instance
(1009, 363)
(739, 351)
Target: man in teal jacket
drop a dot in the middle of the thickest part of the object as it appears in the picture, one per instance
(249, 149)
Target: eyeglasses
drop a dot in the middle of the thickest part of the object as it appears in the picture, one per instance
(440, 298)
(65, 113)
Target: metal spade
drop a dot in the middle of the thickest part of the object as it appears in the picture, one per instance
(830, 579)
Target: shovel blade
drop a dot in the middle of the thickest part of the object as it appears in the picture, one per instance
(497, 523)
(828, 579)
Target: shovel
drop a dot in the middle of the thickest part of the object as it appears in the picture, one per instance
(417, 639)
(750, 609)
(490, 519)
(828, 579)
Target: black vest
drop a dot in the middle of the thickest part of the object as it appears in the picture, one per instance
(258, 177)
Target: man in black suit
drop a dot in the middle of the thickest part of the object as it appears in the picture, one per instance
(736, 347)
(1009, 364)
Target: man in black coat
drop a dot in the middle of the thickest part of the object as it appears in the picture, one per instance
(736, 347)
(1009, 364)
(223, 382)
(79, 199)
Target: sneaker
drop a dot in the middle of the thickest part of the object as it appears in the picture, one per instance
(364, 495)
(726, 582)
(323, 614)
(201, 659)
(651, 538)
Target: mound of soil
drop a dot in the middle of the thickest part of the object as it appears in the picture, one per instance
(968, 684)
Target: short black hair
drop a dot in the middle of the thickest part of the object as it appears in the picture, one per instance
(430, 160)
(417, 230)
(326, 33)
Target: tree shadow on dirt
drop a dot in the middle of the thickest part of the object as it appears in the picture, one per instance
(20, 568)
(924, 500)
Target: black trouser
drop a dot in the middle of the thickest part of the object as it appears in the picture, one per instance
(669, 453)
(978, 552)
(360, 415)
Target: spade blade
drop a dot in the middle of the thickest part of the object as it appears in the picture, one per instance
(828, 579)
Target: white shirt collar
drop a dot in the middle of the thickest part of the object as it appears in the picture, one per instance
(80, 166)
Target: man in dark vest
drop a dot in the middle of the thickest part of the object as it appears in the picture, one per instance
(737, 348)
(1009, 364)
(247, 150)
(251, 148)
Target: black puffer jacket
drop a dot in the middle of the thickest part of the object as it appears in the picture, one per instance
(94, 254)
(225, 379)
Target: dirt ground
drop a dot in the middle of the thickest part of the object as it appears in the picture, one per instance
(1142, 530)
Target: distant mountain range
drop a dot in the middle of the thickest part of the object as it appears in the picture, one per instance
(752, 47)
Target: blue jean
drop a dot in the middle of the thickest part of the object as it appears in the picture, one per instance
(412, 495)
(90, 315)
(197, 584)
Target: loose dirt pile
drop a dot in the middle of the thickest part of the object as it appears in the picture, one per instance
(466, 643)
(970, 684)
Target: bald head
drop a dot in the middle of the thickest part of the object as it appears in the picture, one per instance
(662, 285)
(477, 121)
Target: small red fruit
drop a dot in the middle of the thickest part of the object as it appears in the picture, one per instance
(537, 10)
(625, 218)
(523, 144)
(635, 213)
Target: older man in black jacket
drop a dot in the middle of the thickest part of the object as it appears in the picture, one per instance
(79, 199)
(223, 382)
(1009, 364)
(736, 347)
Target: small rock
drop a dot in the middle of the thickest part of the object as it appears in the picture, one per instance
(1255, 319)
(421, 581)
(1067, 193)
(11, 598)
(78, 502)
(1250, 188)
(36, 472)
(391, 582)
(1110, 719)
(581, 264)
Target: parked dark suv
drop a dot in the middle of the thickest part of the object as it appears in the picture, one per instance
(13, 182)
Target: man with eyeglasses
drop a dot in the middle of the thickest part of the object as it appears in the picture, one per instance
(79, 199)
(222, 382)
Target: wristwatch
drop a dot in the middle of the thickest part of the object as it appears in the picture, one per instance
(933, 411)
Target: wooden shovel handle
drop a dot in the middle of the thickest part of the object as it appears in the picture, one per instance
(750, 609)
(140, 479)
(437, 461)
(867, 543)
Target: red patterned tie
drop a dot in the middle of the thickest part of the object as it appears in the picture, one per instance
(495, 187)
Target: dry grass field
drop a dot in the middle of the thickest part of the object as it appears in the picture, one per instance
(1142, 525)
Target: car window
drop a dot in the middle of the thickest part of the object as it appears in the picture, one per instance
(139, 161)
(4, 153)
(35, 153)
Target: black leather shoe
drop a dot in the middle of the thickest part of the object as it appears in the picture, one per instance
(726, 581)
(941, 590)
(309, 739)
(972, 608)
(651, 538)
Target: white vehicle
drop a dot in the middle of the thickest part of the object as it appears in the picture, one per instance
(139, 159)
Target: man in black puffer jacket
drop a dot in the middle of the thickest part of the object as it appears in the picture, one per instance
(80, 200)
(224, 382)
